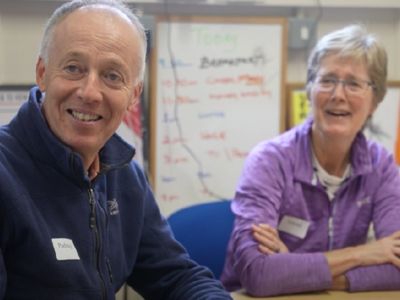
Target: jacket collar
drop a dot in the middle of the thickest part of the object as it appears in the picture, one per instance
(361, 162)
(31, 129)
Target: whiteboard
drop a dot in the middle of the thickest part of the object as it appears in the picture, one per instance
(219, 90)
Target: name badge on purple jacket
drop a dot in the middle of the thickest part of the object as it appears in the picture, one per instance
(294, 226)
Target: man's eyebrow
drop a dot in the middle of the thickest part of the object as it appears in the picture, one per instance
(117, 65)
(74, 54)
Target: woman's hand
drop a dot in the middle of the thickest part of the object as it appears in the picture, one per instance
(268, 239)
(385, 250)
(382, 251)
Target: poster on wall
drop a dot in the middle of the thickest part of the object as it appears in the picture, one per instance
(11, 98)
(298, 104)
(397, 151)
(131, 131)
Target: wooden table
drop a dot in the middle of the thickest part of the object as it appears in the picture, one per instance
(329, 295)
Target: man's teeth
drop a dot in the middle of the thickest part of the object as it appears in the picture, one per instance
(84, 117)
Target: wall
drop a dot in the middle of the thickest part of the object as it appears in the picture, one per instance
(2, 34)
(21, 24)
(382, 22)
(21, 29)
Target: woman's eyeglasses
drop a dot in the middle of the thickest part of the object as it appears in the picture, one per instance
(352, 87)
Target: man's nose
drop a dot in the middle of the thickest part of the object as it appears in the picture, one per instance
(90, 89)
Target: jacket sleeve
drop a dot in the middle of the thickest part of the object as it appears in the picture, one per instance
(386, 220)
(3, 271)
(258, 199)
(163, 269)
(3, 276)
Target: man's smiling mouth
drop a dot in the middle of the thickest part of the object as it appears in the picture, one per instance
(83, 116)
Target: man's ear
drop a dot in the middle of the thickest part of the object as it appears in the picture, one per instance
(40, 74)
(137, 91)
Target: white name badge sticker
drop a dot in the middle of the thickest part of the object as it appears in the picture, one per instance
(294, 226)
(65, 249)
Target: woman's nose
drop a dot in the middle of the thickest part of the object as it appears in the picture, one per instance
(339, 90)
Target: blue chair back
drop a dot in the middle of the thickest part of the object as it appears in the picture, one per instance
(204, 230)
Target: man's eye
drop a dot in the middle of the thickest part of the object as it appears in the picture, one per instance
(114, 77)
(72, 69)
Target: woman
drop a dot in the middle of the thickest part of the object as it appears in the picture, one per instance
(306, 199)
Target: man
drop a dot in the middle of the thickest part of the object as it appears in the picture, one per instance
(77, 216)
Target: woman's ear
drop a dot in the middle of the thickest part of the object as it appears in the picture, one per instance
(308, 90)
(41, 74)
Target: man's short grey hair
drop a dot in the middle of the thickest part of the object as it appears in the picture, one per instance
(64, 10)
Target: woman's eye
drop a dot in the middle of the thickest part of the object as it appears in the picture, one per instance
(354, 84)
(328, 81)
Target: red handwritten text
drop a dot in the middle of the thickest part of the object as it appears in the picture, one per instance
(170, 160)
(167, 140)
(180, 82)
(168, 198)
(215, 135)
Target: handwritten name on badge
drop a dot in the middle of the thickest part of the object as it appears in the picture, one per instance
(294, 226)
(65, 249)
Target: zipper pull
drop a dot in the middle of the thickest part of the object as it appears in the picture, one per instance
(330, 227)
(109, 270)
(92, 217)
(330, 233)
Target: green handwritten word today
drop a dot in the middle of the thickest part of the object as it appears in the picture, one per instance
(225, 40)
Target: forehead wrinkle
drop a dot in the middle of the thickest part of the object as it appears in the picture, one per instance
(115, 39)
(334, 63)
(107, 10)
(116, 24)
(109, 40)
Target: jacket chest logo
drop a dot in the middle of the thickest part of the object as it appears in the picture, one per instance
(363, 201)
(113, 207)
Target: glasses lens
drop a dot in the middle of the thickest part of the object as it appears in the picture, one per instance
(352, 87)
(326, 84)
(355, 87)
